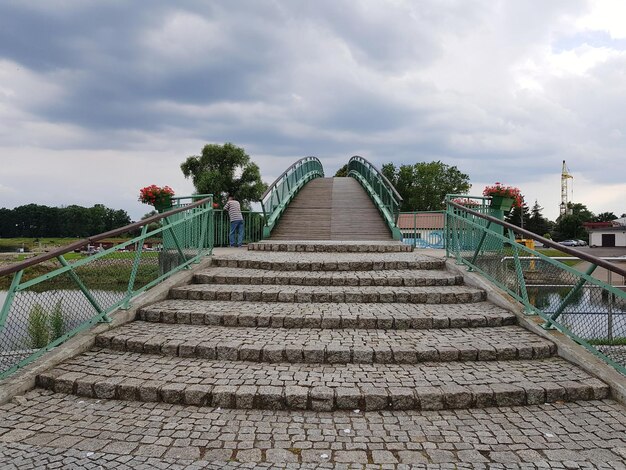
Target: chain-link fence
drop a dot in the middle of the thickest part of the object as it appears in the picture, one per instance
(581, 295)
(52, 297)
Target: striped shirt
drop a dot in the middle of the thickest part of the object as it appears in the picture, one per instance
(234, 210)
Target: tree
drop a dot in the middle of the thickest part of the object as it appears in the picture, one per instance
(36, 221)
(423, 186)
(342, 172)
(605, 217)
(153, 225)
(519, 216)
(571, 225)
(537, 223)
(215, 172)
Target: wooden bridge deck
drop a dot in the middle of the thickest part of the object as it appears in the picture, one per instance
(332, 209)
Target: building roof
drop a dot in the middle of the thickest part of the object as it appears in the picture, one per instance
(424, 220)
(617, 224)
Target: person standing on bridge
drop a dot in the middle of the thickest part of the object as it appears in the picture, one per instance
(236, 220)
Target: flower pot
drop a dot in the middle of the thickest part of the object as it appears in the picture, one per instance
(163, 206)
(501, 203)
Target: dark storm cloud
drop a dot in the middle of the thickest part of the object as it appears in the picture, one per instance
(472, 83)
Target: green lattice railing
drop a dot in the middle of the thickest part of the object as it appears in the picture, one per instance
(379, 189)
(282, 191)
(573, 295)
(54, 296)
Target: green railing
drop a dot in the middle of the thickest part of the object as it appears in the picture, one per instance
(282, 191)
(379, 189)
(54, 296)
(582, 296)
(253, 222)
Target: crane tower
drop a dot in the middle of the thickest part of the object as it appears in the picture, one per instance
(565, 175)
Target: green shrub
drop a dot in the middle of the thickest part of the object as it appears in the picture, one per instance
(45, 327)
(57, 322)
(38, 327)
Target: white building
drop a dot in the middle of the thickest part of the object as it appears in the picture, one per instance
(607, 234)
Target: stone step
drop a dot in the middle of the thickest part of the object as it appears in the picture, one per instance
(106, 374)
(331, 246)
(402, 277)
(312, 345)
(279, 261)
(335, 294)
(327, 315)
(46, 430)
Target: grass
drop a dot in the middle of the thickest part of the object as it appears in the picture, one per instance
(552, 252)
(607, 342)
(46, 243)
(30, 243)
(111, 275)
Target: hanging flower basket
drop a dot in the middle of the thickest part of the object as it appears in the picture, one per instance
(503, 198)
(501, 203)
(160, 198)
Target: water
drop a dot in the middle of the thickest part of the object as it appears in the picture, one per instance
(591, 314)
(76, 309)
(9, 249)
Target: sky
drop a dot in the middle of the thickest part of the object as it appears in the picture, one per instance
(99, 99)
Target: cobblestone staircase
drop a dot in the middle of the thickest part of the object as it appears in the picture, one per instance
(325, 326)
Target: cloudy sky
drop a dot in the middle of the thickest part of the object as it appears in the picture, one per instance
(98, 99)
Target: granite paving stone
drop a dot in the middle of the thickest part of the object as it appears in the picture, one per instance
(504, 437)
(223, 383)
(405, 277)
(335, 294)
(317, 355)
(328, 315)
(335, 346)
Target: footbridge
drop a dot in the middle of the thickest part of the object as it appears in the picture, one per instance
(326, 342)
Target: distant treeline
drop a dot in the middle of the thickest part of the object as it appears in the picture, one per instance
(35, 221)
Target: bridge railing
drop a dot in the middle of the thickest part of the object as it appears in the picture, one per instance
(54, 296)
(282, 191)
(582, 296)
(253, 222)
(380, 190)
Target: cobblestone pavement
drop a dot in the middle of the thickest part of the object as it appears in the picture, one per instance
(391, 277)
(367, 360)
(326, 315)
(341, 246)
(284, 261)
(45, 430)
(327, 345)
(242, 384)
(335, 294)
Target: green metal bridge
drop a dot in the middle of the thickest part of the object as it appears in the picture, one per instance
(299, 206)
(330, 339)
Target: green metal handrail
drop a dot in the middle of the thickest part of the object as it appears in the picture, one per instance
(581, 306)
(282, 191)
(380, 190)
(48, 304)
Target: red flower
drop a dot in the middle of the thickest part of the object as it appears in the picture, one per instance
(505, 191)
(153, 194)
